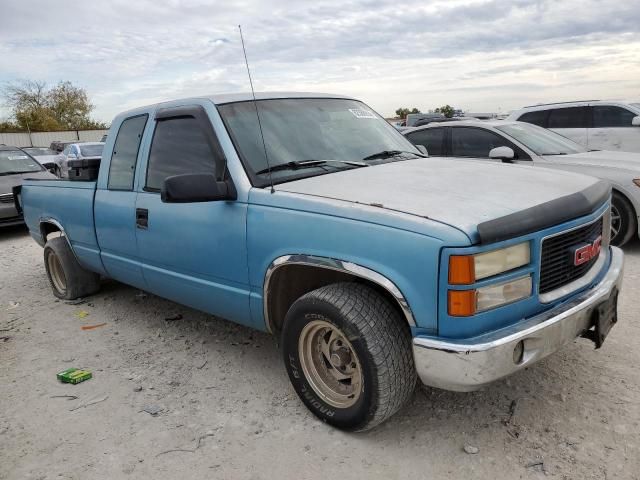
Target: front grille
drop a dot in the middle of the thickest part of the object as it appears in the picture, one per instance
(556, 268)
(6, 198)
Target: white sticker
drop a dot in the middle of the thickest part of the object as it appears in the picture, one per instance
(17, 157)
(362, 113)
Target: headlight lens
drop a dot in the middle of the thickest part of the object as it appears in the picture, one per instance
(467, 269)
(464, 303)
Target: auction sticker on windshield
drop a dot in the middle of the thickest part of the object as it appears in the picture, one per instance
(362, 113)
(17, 157)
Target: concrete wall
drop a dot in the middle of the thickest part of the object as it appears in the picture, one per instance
(44, 139)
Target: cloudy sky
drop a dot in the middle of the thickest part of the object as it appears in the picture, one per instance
(480, 55)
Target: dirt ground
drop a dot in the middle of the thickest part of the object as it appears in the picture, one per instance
(226, 409)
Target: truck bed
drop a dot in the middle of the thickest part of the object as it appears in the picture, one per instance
(67, 203)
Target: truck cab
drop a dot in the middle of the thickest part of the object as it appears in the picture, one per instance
(310, 217)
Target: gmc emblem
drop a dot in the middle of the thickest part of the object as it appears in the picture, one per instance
(582, 253)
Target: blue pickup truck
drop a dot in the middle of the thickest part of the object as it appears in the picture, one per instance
(310, 217)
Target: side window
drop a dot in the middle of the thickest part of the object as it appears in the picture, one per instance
(179, 146)
(573, 117)
(475, 142)
(431, 138)
(537, 118)
(610, 116)
(125, 152)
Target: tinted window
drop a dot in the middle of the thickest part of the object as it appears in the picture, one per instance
(125, 152)
(91, 150)
(431, 138)
(610, 116)
(537, 118)
(475, 142)
(575, 117)
(179, 146)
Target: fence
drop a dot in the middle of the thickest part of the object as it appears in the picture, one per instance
(44, 139)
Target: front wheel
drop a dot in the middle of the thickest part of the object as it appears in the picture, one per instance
(623, 220)
(349, 355)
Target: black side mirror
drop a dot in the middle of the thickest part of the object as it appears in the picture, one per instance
(196, 187)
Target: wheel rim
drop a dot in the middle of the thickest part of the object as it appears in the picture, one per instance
(330, 364)
(56, 273)
(616, 222)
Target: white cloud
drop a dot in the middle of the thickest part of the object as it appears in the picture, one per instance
(481, 55)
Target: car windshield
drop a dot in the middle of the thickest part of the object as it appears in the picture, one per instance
(40, 151)
(15, 161)
(540, 140)
(91, 150)
(301, 129)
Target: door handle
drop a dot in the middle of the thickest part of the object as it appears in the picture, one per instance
(142, 218)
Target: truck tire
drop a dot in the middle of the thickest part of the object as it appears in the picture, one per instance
(349, 355)
(68, 279)
(623, 220)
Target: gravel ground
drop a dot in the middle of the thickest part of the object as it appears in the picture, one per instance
(226, 410)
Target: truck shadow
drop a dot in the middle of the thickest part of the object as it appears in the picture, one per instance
(13, 232)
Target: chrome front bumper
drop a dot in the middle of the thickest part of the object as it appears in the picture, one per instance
(469, 364)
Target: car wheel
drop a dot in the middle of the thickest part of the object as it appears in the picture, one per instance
(349, 355)
(68, 279)
(623, 220)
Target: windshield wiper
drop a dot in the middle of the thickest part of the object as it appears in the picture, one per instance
(307, 164)
(18, 173)
(391, 153)
(556, 153)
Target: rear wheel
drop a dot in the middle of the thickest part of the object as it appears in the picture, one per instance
(623, 220)
(68, 279)
(349, 355)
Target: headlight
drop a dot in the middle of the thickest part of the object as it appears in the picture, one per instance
(464, 303)
(467, 269)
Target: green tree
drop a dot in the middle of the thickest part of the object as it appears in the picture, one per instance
(403, 112)
(446, 110)
(35, 107)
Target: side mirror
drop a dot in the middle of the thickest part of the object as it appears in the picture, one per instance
(422, 149)
(505, 154)
(635, 121)
(196, 187)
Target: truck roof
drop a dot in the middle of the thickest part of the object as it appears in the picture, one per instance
(235, 97)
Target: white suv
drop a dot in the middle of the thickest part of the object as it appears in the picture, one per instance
(596, 124)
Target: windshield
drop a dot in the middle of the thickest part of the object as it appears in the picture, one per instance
(39, 151)
(302, 129)
(15, 161)
(91, 150)
(540, 140)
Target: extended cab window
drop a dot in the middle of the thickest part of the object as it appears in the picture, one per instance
(179, 146)
(573, 117)
(431, 138)
(610, 116)
(475, 142)
(125, 153)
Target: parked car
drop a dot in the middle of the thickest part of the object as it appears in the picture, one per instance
(48, 158)
(369, 262)
(526, 144)
(86, 151)
(594, 124)
(15, 165)
(59, 146)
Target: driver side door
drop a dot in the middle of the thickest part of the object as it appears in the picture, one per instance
(192, 253)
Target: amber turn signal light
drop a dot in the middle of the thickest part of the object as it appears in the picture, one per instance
(461, 270)
(462, 303)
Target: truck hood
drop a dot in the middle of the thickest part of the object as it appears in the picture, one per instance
(7, 182)
(488, 202)
(600, 158)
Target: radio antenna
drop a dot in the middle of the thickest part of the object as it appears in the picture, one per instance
(255, 104)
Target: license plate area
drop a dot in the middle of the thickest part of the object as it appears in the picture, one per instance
(603, 318)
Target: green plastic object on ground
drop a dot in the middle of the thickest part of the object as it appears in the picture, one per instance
(74, 375)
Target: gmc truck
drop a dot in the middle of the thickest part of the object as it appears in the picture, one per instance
(310, 217)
